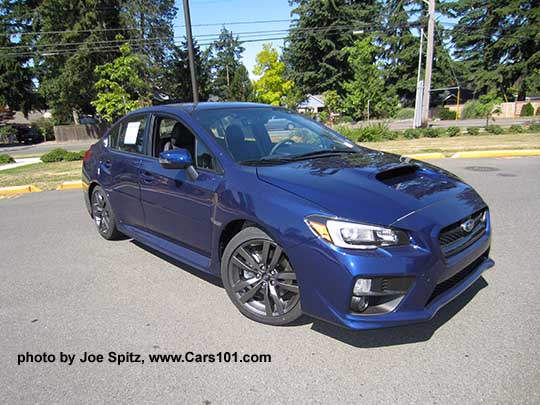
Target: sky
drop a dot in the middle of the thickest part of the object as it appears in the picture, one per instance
(225, 12)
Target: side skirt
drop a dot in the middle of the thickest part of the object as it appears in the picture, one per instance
(173, 250)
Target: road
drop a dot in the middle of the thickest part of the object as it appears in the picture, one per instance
(64, 288)
(41, 148)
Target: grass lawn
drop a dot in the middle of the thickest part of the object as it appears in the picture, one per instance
(448, 146)
(46, 176)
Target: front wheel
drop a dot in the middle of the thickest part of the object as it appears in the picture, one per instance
(259, 278)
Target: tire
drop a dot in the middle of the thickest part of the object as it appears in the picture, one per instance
(260, 284)
(103, 214)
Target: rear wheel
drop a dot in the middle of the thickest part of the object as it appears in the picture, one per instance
(104, 215)
(259, 278)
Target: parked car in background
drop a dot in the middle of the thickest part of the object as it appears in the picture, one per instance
(27, 135)
(304, 223)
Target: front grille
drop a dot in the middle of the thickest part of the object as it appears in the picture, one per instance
(456, 278)
(454, 239)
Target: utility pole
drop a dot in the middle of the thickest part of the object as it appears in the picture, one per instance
(191, 56)
(417, 121)
(429, 62)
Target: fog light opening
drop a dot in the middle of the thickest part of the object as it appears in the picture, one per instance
(360, 304)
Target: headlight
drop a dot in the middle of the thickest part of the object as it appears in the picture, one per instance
(354, 235)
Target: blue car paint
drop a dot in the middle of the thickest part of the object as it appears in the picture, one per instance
(185, 219)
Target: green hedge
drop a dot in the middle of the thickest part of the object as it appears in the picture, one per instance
(446, 114)
(5, 159)
(534, 127)
(516, 129)
(62, 155)
(473, 131)
(527, 110)
(453, 131)
(494, 129)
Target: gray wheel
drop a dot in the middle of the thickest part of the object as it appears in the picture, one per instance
(259, 278)
(104, 215)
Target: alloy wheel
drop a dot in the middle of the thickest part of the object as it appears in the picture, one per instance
(101, 212)
(262, 279)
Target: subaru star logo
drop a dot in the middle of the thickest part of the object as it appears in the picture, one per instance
(468, 225)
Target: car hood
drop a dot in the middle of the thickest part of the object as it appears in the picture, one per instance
(373, 187)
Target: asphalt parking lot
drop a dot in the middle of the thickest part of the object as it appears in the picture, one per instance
(64, 288)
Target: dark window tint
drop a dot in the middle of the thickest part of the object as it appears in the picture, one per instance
(205, 160)
(131, 137)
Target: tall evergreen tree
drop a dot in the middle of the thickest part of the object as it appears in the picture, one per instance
(226, 54)
(178, 76)
(314, 53)
(499, 41)
(241, 86)
(17, 90)
(84, 37)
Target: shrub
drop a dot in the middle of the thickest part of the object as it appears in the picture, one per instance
(73, 156)
(372, 133)
(405, 114)
(469, 110)
(347, 132)
(413, 133)
(534, 127)
(44, 127)
(345, 119)
(494, 129)
(527, 110)
(55, 155)
(5, 159)
(7, 133)
(446, 114)
(453, 131)
(473, 130)
(434, 132)
(516, 129)
(323, 115)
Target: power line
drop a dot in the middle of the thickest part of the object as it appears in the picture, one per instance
(224, 24)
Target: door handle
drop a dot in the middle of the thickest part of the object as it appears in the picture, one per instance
(147, 177)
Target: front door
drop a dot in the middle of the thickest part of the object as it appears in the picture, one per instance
(175, 206)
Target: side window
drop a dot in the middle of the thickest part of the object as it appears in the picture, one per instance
(131, 137)
(172, 134)
(114, 136)
(205, 159)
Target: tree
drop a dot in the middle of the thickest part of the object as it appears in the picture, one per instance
(333, 101)
(226, 55)
(487, 106)
(367, 88)
(67, 54)
(17, 90)
(241, 86)
(121, 87)
(178, 76)
(149, 24)
(272, 86)
(499, 42)
(314, 54)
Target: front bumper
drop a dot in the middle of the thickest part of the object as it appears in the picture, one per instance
(326, 275)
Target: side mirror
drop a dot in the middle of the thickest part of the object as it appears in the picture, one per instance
(175, 159)
(178, 159)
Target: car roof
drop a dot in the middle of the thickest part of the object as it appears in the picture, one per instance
(190, 108)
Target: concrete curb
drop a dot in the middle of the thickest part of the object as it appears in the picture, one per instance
(19, 190)
(69, 185)
(497, 153)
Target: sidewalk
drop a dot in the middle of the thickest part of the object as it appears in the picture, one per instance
(20, 162)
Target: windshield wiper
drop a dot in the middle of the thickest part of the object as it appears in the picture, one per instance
(321, 153)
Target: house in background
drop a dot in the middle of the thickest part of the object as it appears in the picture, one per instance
(312, 104)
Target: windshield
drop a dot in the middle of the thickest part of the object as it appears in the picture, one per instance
(254, 134)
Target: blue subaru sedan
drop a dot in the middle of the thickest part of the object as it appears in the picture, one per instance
(295, 218)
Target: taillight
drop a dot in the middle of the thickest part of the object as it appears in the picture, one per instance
(87, 155)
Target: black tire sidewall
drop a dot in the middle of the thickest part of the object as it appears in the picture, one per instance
(243, 236)
(113, 232)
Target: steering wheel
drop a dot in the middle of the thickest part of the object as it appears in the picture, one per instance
(287, 141)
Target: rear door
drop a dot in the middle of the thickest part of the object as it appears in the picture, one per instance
(175, 206)
(120, 168)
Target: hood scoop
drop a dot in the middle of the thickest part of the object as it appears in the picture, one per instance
(397, 174)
